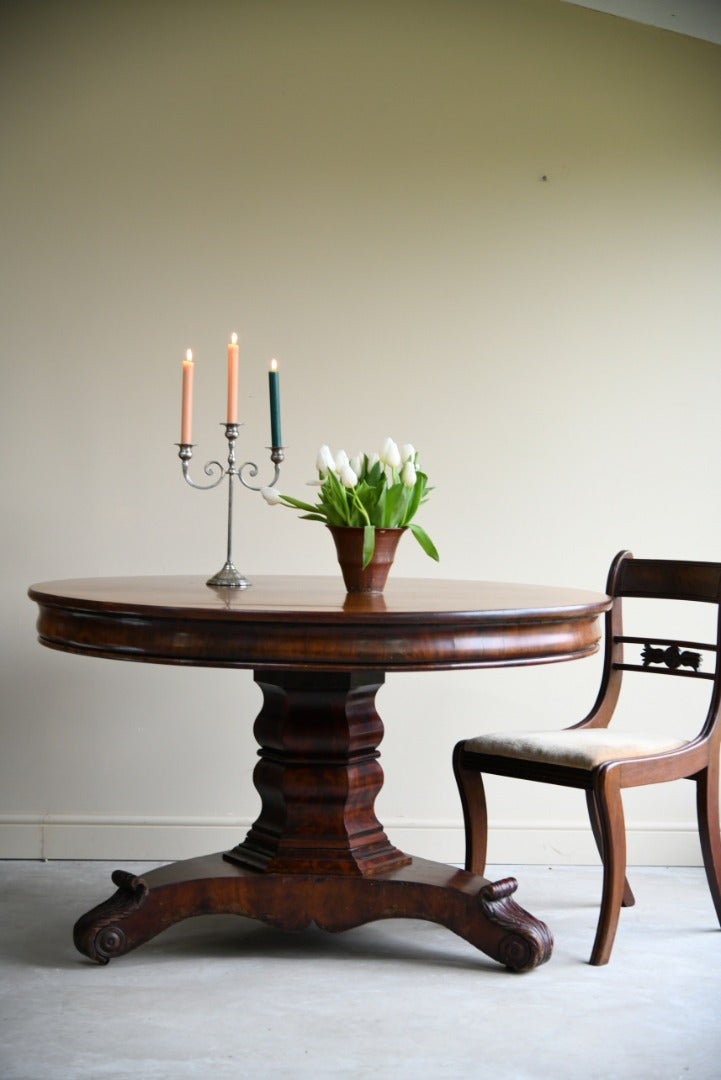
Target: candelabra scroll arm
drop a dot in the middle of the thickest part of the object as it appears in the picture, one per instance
(277, 456)
(185, 453)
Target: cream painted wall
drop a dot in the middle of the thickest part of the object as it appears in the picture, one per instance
(489, 228)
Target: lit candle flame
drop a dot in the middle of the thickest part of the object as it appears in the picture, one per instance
(274, 365)
(189, 355)
(233, 338)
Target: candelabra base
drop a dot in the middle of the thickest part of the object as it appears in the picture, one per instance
(229, 577)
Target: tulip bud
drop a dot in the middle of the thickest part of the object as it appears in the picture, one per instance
(348, 477)
(390, 454)
(356, 464)
(324, 461)
(408, 453)
(408, 474)
(271, 496)
(341, 460)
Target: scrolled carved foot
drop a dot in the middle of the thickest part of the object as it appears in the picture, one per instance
(99, 933)
(528, 942)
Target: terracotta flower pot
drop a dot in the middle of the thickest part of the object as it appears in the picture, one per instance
(349, 548)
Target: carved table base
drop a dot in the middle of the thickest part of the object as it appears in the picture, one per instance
(317, 852)
(478, 910)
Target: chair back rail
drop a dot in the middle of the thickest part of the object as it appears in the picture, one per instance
(667, 579)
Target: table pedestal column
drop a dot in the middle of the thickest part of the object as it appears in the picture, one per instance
(318, 777)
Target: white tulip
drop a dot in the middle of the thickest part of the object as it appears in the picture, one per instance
(348, 477)
(356, 464)
(271, 495)
(341, 460)
(408, 453)
(408, 474)
(324, 461)
(390, 454)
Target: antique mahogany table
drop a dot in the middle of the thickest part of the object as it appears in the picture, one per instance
(317, 853)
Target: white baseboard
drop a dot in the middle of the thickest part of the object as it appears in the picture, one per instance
(165, 839)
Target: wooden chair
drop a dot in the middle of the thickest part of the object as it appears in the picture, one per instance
(592, 756)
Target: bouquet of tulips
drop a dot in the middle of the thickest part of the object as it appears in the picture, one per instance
(378, 491)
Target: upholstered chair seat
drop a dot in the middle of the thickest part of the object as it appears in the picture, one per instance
(579, 748)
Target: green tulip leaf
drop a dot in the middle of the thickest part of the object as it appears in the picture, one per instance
(369, 543)
(424, 540)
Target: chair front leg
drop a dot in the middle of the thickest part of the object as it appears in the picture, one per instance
(475, 816)
(707, 807)
(628, 898)
(607, 792)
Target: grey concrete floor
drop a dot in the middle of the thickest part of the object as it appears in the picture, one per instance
(224, 997)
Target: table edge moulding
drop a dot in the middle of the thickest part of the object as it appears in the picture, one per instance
(317, 852)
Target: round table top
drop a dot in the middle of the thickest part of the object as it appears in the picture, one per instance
(312, 623)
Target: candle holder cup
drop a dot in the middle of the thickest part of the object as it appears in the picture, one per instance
(229, 576)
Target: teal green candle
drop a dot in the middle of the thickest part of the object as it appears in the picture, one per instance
(274, 390)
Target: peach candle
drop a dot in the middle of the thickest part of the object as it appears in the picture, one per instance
(186, 412)
(233, 380)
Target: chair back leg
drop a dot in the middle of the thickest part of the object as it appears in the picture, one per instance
(707, 808)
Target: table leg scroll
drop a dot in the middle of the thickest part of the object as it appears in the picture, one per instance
(100, 933)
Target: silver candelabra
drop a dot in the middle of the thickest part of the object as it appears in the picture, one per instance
(229, 576)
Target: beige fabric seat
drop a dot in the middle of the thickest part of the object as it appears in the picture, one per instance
(601, 761)
(582, 748)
